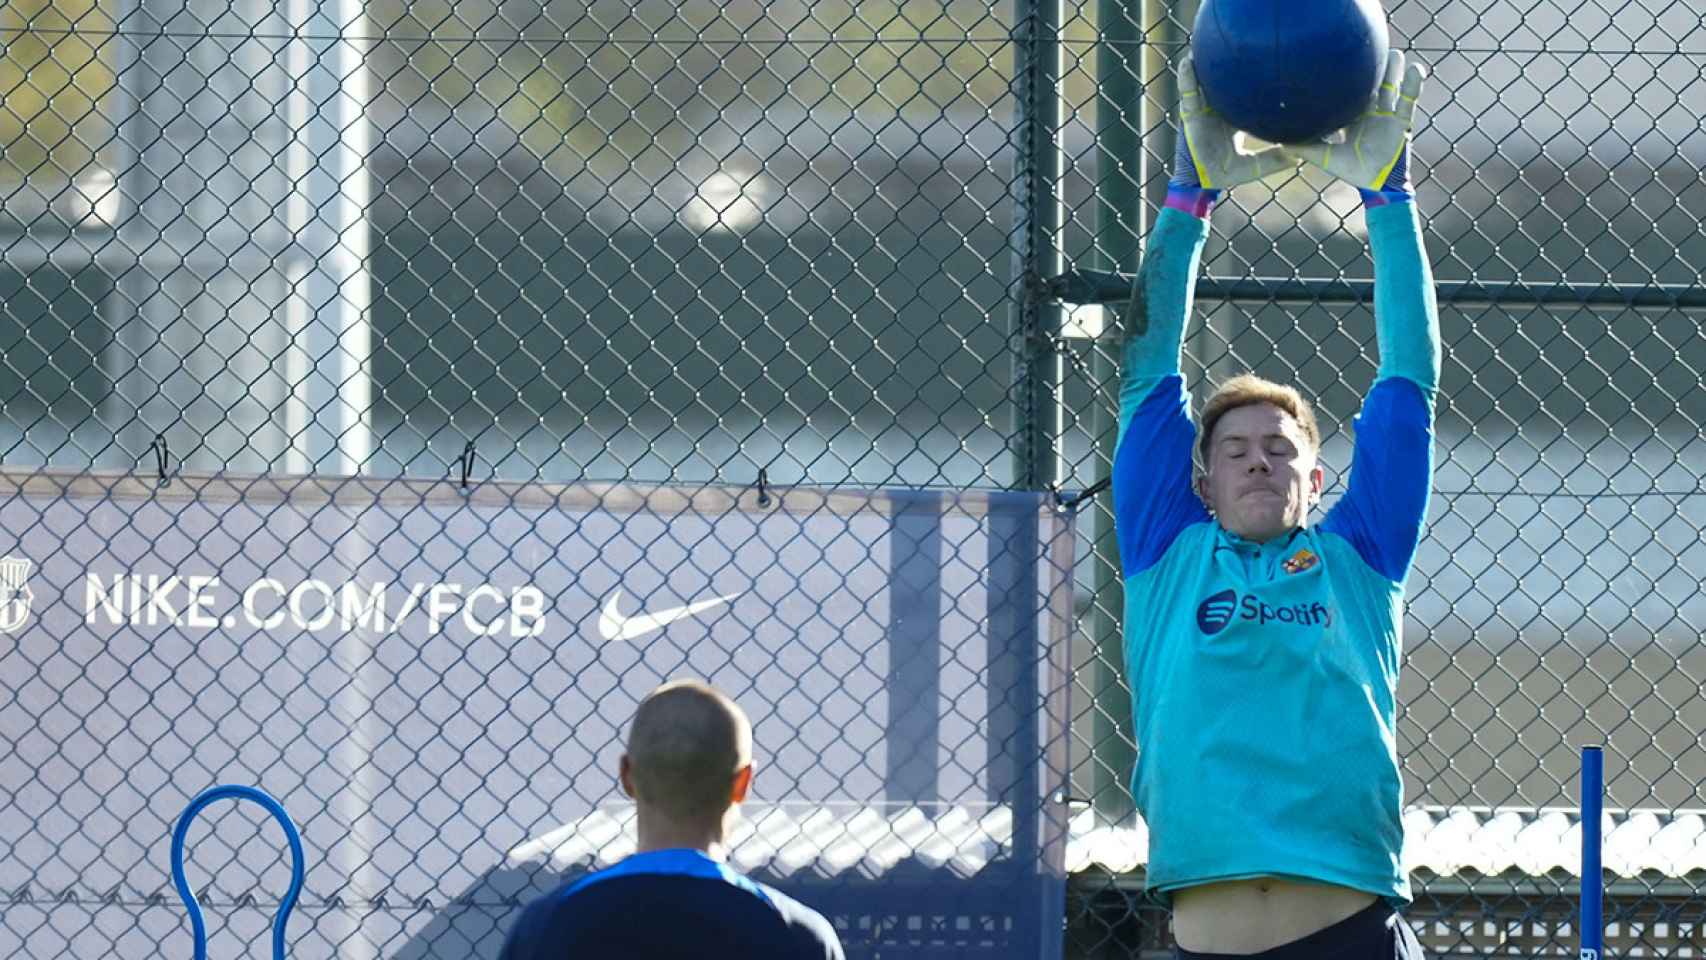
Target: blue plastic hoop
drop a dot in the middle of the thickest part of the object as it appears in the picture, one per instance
(296, 866)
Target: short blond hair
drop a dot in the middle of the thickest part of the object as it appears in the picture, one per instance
(1247, 389)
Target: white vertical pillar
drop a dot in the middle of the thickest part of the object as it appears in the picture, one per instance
(242, 329)
(329, 368)
(243, 333)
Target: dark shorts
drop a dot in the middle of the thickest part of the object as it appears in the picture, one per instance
(1377, 933)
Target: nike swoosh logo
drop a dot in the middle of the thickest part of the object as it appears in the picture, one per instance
(613, 625)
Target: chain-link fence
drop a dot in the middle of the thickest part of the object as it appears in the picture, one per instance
(1556, 597)
(436, 684)
(760, 244)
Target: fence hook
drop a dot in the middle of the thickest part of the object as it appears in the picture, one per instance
(467, 462)
(1072, 503)
(161, 455)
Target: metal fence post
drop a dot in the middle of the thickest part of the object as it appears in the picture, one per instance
(1035, 239)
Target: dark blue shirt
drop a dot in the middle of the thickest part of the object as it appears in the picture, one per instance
(669, 904)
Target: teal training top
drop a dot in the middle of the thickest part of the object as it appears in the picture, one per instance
(1264, 676)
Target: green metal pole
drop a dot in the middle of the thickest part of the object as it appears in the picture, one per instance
(1038, 219)
(1135, 84)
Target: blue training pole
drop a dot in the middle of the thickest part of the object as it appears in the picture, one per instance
(193, 905)
(1593, 881)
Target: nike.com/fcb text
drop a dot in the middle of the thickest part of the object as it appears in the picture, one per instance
(204, 602)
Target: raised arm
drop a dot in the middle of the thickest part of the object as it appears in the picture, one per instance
(1153, 499)
(1386, 502)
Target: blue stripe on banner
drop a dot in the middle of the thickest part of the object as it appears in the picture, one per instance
(1015, 701)
(1013, 652)
(915, 644)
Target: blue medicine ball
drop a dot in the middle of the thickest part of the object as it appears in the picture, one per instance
(1290, 70)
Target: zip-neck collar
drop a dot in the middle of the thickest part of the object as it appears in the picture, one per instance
(1232, 541)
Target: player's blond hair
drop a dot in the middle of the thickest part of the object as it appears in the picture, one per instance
(1247, 389)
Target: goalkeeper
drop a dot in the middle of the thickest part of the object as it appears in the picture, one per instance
(1262, 652)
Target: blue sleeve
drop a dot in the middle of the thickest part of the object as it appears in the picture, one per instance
(519, 944)
(814, 933)
(1152, 472)
(1153, 497)
(1386, 502)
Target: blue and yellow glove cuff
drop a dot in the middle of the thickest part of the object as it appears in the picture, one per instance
(1185, 190)
(1396, 188)
(1197, 201)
